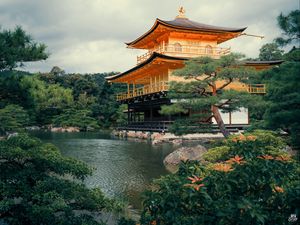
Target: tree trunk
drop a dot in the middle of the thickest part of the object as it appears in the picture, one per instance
(217, 115)
(219, 121)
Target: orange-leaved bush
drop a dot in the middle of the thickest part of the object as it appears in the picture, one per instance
(250, 181)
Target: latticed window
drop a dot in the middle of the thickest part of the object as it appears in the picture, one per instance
(177, 47)
(208, 50)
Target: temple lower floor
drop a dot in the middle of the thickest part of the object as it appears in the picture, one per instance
(144, 115)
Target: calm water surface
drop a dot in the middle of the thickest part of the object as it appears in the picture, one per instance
(123, 168)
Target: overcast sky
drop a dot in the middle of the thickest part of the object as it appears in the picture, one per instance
(87, 36)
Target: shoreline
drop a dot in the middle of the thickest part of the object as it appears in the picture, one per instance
(157, 137)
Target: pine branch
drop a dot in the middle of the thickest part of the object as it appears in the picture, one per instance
(225, 103)
(225, 85)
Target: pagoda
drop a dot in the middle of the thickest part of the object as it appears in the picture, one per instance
(168, 45)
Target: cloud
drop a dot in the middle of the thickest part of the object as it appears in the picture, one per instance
(89, 35)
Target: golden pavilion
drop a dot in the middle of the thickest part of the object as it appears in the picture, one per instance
(168, 45)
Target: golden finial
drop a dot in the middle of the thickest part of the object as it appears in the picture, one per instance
(181, 12)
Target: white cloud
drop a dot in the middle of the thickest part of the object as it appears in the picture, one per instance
(88, 35)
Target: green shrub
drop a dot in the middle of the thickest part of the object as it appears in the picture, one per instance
(40, 186)
(250, 181)
(124, 221)
(12, 118)
(214, 154)
(76, 118)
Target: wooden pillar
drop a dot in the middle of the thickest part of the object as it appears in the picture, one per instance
(151, 113)
(128, 115)
(128, 89)
(230, 118)
(160, 83)
(133, 89)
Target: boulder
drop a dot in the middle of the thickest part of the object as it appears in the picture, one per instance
(184, 154)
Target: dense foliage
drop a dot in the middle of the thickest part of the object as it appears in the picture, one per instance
(61, 99)
(283, 98)
(249, 180)
(269, 52)
(290, 26)
(76, 118)
(17, 47)
(12, 118)
(40, 186)
(280, 107)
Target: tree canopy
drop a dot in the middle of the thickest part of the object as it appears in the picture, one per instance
(290, 27)
(12, 118)
(40, 186)
(206, 91)
(269, 52)
(283, 97)
(17, 47)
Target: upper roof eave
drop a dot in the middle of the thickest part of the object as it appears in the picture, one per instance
(186, 25)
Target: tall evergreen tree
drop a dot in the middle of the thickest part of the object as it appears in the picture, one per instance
(284, 97)
(290, 27)
(17, 47)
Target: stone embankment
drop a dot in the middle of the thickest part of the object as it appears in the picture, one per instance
(65, 129)
(157, 138)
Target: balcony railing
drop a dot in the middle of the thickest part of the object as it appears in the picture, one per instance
(185, 51)
(257, 88)
(146, 89)
(163, 86)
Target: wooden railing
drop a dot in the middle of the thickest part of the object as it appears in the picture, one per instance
(163, 86)
(185, 51)
(148, 126)
(146, 89)
(257, 88)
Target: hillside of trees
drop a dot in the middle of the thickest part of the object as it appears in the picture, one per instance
(56, 99)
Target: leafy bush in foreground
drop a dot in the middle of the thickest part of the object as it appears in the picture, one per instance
(12, 118)
(251, 181)
(40, 186)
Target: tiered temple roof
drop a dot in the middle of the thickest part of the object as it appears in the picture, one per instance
(184, 25)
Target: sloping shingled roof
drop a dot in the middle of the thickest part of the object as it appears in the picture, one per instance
(271, 62)
(149, 60)
(186, 24)
(189, 24)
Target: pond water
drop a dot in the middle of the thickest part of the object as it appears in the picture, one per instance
(123, 168)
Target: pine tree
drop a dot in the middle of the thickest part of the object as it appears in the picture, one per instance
(207, 89)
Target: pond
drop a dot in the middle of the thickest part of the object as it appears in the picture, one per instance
(123, 168)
